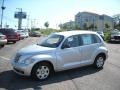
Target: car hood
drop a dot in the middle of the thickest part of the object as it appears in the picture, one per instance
(35, 49)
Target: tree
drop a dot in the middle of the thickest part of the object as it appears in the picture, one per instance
(85, 26)
(46, 24)
(91, 26)
(107, 26)
(76, 27)
(117, 26)
(116, 19)
(65, 26)
(61, 26)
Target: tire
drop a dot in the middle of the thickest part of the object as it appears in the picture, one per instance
(14, 41)
(99, 61)
(2, 45)
(41, 71)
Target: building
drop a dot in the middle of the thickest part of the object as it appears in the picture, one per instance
(92, 21)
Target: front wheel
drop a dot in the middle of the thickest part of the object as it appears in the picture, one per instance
(14, 41)
(2, 45)
(41, 71)
(99, 61)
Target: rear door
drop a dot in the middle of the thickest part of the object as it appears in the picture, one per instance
(89, 46)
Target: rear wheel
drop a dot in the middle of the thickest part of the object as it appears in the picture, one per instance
(41, 71)
(99, 61)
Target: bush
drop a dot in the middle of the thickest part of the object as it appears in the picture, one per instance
(49, 31)
(107, 36)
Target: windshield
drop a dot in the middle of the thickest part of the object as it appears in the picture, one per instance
(52, 41)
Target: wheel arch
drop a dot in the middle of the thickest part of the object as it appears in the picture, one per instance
(44, 61)
(103, 54)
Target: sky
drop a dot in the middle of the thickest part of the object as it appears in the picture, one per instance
(55, 11)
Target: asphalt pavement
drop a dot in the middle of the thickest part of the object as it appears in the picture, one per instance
(84, 78)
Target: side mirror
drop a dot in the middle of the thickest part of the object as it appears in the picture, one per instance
(65, 46)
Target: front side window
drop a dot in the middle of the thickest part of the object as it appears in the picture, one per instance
(52, 41)
(72, 41)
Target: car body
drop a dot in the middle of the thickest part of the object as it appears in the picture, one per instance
(60, 51)
(11, 35)
(101, 34)
(115, 35)
(26, 33)
(22, 34)
(3, 40)
(35, 34)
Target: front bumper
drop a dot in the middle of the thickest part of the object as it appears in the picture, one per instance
(22, 69)
(11, 40)
(115, 37)
(2, 42)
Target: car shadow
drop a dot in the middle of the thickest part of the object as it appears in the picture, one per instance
(8, 43)
(11, 81)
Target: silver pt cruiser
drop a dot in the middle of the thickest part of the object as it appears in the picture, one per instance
(60, 51)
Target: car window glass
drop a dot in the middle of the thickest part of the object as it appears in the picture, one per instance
(96, 39)
(52, 41)
(86, 38)
(80, 40)
(72, 41)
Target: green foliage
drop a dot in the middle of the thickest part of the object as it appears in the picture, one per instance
(72, 26)
(46, 24)
(48, 31)
(106, 36)
(35, 29)
(91, 26)
(85, 26)
(117, 26)
(107, 27)
(76, 27)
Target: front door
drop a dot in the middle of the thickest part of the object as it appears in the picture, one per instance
(69, 57)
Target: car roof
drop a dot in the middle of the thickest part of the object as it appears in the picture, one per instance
(75, 32)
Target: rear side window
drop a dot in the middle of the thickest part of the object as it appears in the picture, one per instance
(86, 39)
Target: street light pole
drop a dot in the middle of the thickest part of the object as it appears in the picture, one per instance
(2, 7)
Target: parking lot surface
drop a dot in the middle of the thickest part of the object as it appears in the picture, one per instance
(84, 78)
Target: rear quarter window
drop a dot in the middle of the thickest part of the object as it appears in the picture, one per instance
(87, 39)
(96, 39)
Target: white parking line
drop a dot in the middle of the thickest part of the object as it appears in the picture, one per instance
(4, 58)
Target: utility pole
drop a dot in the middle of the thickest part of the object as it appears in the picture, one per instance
(3, 8)
(28, 21)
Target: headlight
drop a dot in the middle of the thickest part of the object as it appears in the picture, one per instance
(26, 60)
